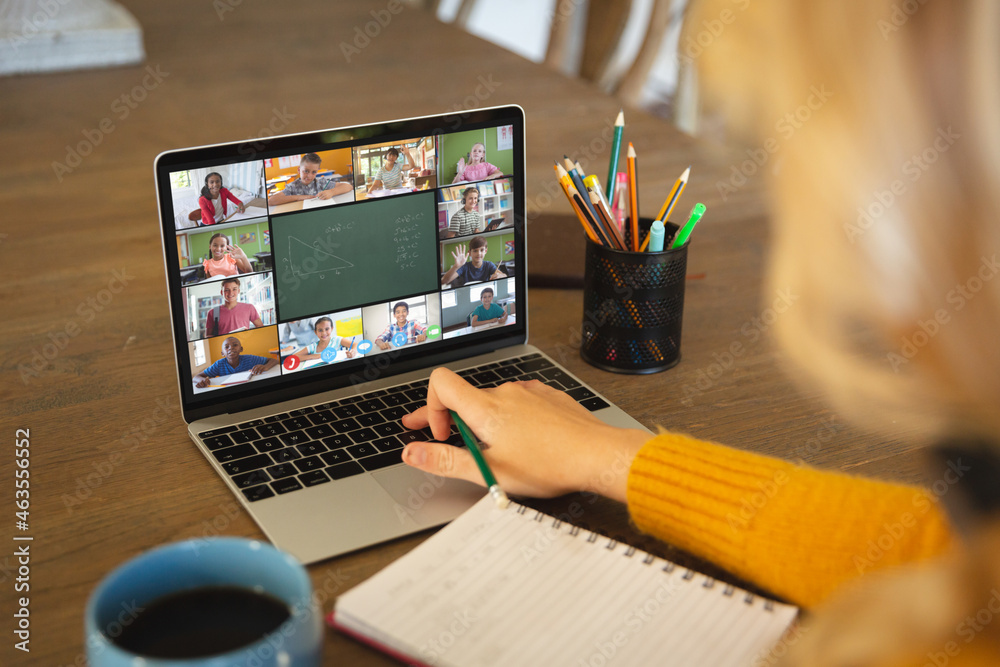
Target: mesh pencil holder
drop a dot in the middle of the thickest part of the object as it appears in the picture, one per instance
(633, 304)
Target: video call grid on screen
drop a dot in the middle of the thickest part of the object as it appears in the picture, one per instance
(367, 247)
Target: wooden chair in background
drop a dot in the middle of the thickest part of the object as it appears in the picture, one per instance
(587, 47)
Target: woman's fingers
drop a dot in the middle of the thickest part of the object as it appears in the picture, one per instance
(444, 460)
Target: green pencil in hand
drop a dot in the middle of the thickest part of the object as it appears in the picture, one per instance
(499, 497)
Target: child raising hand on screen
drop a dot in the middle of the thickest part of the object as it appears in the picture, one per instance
(477, 168)
(226, 259)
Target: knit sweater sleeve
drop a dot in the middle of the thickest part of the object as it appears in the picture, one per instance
(794, 530)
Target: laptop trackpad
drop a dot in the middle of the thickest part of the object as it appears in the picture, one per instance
(428, 499)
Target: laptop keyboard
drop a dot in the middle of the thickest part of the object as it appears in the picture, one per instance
(314, 445)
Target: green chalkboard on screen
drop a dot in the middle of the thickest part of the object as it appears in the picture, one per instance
(343, 256)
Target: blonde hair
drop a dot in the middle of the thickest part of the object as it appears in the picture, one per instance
(885, 203)
(478, 143)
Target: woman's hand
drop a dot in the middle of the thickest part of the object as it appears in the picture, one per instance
(538, 440)
(236, 252)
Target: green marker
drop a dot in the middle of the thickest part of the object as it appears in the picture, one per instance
(499, 497)
(682, 236)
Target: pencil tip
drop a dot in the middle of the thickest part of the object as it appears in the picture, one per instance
(620, 120)
(631, 149)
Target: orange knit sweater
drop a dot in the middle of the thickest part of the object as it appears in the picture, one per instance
(793, 530)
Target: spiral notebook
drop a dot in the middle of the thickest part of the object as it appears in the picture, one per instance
(519, 587)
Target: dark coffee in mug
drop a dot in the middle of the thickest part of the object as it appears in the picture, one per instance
(201, 622)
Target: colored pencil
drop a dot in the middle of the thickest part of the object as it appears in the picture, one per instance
(603, 238)
(576, 201)
(604, 217)
(616, 147)
(674, 195)
(499, 497)
(576, 175)
(633, 198)
(593, 182)
(567, 187)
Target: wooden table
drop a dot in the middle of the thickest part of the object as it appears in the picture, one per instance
(87, 361)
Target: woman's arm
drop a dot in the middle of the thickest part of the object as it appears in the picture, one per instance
(796, 531)
(569, 454)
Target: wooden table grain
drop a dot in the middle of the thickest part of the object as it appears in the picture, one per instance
(87, 363)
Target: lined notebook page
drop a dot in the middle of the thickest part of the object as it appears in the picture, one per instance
(518, 587)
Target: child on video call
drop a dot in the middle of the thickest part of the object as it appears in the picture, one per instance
(226, 259)
(390, 175)
(415, 331)
(477, 168)
(308, 185)
(323, 328)
(488, 312)
(467, 219)
(233, 361)
(479, 269)
(233, 314)
(214, 201)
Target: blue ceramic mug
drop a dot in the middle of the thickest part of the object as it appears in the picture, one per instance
(115, 609)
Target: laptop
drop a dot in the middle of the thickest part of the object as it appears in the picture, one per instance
(302, 333)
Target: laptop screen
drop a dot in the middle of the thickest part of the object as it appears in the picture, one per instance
(309, 262)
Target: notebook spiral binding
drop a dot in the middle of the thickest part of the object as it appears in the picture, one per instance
(647, 558)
